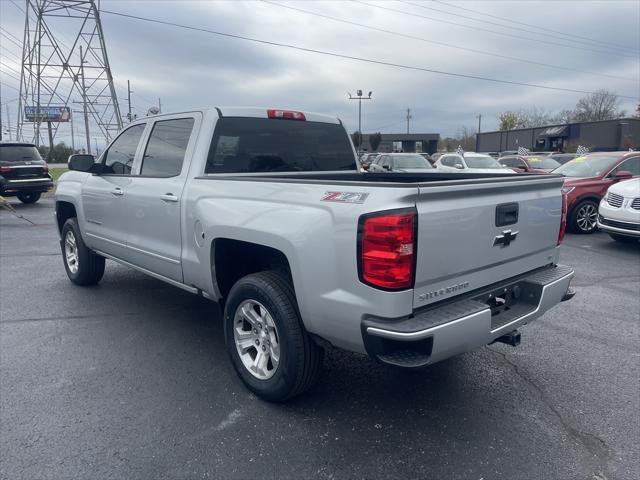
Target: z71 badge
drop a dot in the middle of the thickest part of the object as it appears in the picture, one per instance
(345, 197)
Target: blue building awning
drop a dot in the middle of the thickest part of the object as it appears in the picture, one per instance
(561, 131)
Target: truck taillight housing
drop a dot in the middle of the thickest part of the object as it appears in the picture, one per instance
(5, 169)
(285, 114)
(387, 249)
(563, 219)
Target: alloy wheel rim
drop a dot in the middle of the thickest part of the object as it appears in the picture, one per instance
(586, 217)
(71, 251)
(256, 339)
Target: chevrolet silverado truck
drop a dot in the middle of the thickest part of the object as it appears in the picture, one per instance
(266, 212)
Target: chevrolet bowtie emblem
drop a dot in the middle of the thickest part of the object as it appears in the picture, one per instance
(505, 239)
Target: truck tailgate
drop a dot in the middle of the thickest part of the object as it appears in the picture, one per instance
(469, 236)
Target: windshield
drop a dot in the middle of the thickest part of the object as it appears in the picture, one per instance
(244, 145)
(481, 161)
(19, 153)
(410, 161)
(587, 166)
(543, 162)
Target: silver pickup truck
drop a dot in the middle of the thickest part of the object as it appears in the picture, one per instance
(265, 211)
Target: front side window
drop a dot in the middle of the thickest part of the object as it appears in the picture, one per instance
(630, 165)
(118, 159)
(166, 148)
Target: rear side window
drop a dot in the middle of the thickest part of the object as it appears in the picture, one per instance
(166, 148)
(118, 159)
(245, 145)
(19, 153)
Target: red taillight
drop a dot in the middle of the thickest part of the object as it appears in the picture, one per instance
(45, 167)
(286, 114)
(5, 169)
(387, 249)
(563, 220)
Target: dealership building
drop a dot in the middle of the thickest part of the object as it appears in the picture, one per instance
(404, 142)
(604, 135)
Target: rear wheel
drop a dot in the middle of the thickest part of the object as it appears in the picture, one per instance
(269, 348)
(31, 197)
(623, 238)
(83, 266)
(584, 216)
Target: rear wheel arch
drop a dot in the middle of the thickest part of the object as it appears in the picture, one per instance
(233, 259)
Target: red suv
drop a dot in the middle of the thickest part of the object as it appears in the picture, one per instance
(587, 180)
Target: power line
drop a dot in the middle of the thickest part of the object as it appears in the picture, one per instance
(348, 57)
(519, 29)
(495, 32)
(572, 34)
(10, 86)
(413, 37)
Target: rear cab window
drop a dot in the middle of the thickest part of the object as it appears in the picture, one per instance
(253, 145)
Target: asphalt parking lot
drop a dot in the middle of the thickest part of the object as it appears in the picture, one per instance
(130, 379)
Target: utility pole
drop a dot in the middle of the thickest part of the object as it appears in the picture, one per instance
(129, 100)
(73, 136)
(359, 97)
(96, 142)
(6, 106)
(84, 104)
(159, 105)
(409, 117)
(479, 116)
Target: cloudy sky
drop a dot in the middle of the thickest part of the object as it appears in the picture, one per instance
(585, 45)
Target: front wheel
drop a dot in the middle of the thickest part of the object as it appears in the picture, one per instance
(268, 345)
(83, 266)
(31, 197)
(584, 217)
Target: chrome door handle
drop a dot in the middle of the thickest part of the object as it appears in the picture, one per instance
(168, 197)
(117, 191)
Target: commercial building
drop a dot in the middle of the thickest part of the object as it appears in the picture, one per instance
(405, 142)
(605, 135)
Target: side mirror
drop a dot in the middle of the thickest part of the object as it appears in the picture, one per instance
(623, 175)
(81, 163)
(387, 167)
(458, 166)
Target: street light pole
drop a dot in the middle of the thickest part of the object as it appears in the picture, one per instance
(359, 97)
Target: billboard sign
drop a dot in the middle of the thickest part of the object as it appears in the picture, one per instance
(49, 113)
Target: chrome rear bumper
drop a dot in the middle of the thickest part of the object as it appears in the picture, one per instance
(435, 334)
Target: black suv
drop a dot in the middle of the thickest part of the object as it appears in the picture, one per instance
(23, 173)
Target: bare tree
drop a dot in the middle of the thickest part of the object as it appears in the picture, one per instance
(466, 139)
(599, 105)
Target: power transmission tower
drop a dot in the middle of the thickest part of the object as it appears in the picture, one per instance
(53, 71)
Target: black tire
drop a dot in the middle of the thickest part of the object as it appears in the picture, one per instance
(578, 223)
(623, 238)
(31, 197)
(300, 358)
(88, 267)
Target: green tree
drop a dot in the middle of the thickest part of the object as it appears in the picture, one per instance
(374, 140)
(60, 153)
(510, 120)
(356, 138)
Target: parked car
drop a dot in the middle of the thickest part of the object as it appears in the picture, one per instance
(587, 178)
(435, 157)
(495, 155)
(507, 152)
(619, 211)
(529, 163)
(400, 162)
(428, 158)
(470, 162)
(266, 212)
(23, 173)
(563, 158)
(366, 159)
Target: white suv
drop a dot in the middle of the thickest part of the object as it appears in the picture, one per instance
(619, 212)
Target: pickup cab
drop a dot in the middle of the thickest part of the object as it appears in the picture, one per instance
(266, 212)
